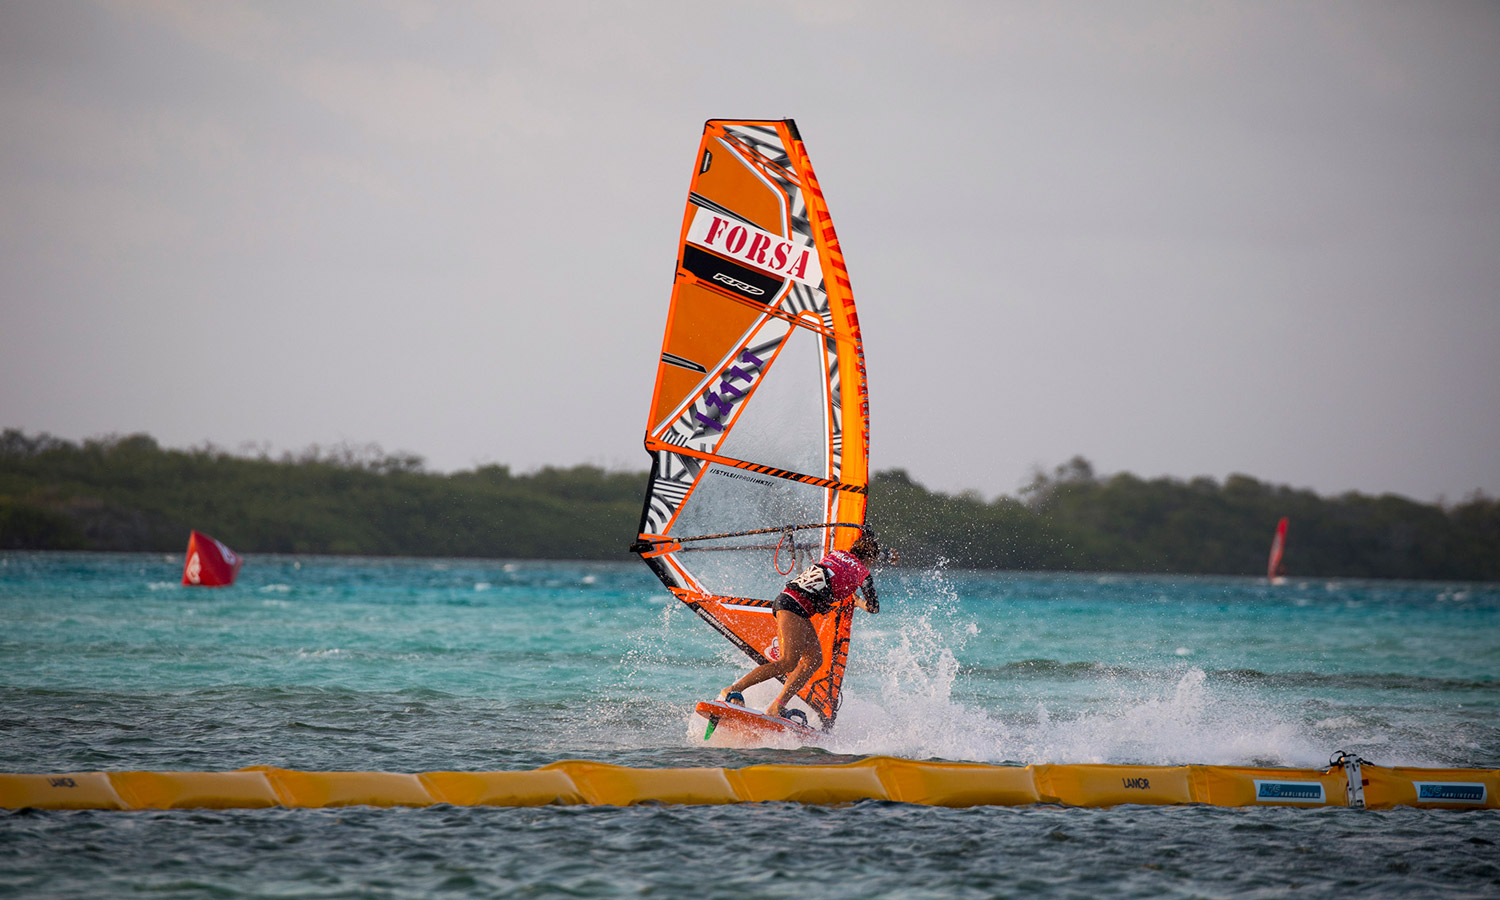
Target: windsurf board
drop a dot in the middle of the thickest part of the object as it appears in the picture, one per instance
(739, 720)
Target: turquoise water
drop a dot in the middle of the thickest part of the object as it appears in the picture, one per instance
(415, 665)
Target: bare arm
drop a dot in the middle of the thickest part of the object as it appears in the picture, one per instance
(868, 602)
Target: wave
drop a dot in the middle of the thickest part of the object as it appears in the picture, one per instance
(912, 698)
(1084, 671)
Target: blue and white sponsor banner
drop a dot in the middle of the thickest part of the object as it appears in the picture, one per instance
(1450, 792)
(1269, 791)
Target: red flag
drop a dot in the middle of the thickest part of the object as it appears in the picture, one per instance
(209, 562)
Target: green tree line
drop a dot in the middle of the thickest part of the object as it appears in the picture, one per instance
(129, 493)
(1072, 519)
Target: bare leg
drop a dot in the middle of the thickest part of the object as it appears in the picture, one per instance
(794, 633)
(800, 643)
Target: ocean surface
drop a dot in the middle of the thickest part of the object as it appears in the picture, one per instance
(107, 663)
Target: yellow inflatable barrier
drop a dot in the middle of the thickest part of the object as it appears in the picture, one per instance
(606, 785)
(1240, 786)
(818, 785)
(959, 784)
(539, 787)
(65, 790)
(1348, 781)
(194, 790)
(1437, 788)
(317, 789)
(1086, 785)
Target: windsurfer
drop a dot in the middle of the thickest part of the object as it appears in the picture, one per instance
(815, 592)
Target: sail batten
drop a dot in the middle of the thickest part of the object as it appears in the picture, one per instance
(759, 469)
(760, 383)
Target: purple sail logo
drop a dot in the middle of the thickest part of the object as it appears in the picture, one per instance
(728, 392)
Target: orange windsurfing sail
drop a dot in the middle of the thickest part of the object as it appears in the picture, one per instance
(1274, 568)
(758, 430)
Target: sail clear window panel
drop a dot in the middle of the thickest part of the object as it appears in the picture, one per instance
(784, 424)
(729, 499)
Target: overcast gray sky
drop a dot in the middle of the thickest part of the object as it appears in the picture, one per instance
(1177, 238)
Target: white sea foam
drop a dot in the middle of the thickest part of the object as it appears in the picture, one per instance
(1174, 716)
(909, 694)
(1172, 719)
(1337, 722)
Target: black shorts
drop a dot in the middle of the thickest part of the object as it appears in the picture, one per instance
(785, 602)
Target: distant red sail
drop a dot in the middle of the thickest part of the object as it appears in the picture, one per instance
(209, 562)
(1278, 546)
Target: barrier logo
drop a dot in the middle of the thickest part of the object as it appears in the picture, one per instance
(1449, 792)
(1289, 791)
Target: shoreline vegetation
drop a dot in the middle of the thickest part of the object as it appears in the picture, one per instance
(130, 494)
